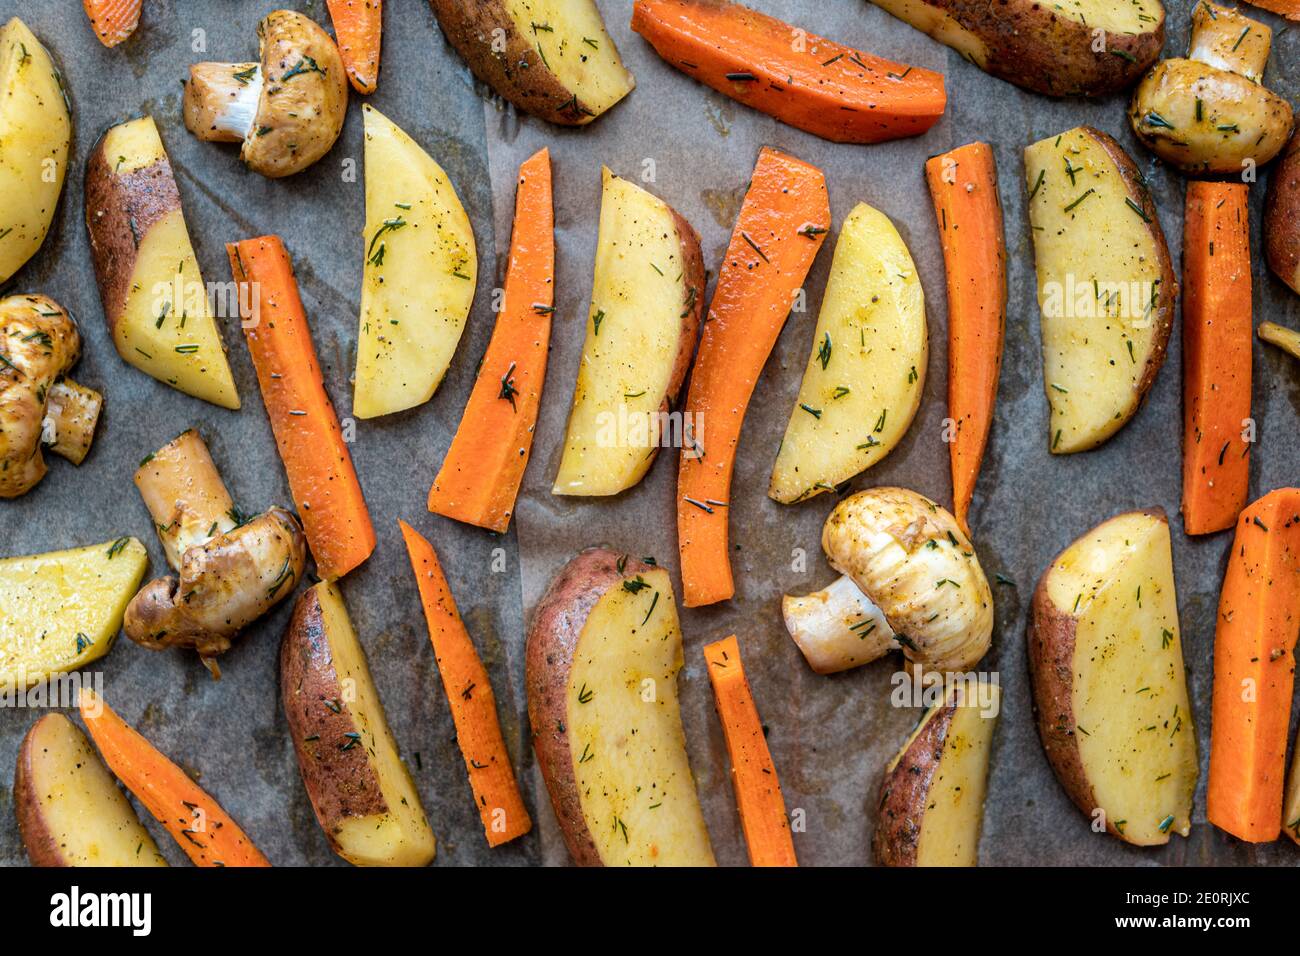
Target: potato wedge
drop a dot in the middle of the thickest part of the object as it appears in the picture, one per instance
(866, 374)
(551, 58)
(932, 796)
(155, 301)
(1051, 48)
(1282, 216)
(359, 787)
(70, 809)
(645, 316)
(1110, 696)
(1106, 284)
(62, 610)
(604, 649)
(420, 270)
(36, 130)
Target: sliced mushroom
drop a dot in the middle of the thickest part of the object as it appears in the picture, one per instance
(910, 578)
(39, 342)
(1210, 112)
(231, 571)
(287, 109)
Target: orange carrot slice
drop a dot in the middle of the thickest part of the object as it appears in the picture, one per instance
(480, 477)
(473, 705)
(807, 81)
(316, 459)
(358, 25)
(753, 775)
(203, 830)
(1218, 334)
(964, 187)
(782, 224)
(1287, 8)
(112, 20)
(1254, 669)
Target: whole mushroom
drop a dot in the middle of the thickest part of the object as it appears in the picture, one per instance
(910, 579)
(1209, 112)
(232, 569)
(39, 405)
(287, 109)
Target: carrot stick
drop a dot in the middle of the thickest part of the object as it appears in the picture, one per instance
(473, 705)
(807, 81)
(964, 187)
(1217, 336)
(782, 224)
(1287, 8)
(112, 20)
(758, 791)
(480, 477)
(1254, 669)
(321, 478)
(204, 831)
(358, 25)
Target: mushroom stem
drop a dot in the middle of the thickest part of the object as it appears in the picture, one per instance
(185, 495)
(838, 627)
(1226, 40)
(221, 100)
(71, 413)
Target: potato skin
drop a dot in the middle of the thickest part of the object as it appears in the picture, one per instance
(552, 638)
(340, 783)
(1051, 635)
(693, 282)
(1033, 48)
(518, 74)
(1282, 216)
(42, 846)
(120, 210)
(905, 790)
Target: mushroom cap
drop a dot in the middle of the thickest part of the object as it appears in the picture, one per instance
(1206, 120)
(304, 96)
(225, 584)
(909, 556)
(39, 342)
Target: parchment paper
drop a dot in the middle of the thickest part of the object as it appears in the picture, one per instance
(830, 736)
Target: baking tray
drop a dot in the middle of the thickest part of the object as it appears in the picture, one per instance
(830, 736)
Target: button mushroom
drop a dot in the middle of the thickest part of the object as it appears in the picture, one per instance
(910, 579)
(287, 109)
(1210, 112)
(39, 342)
(231, 570)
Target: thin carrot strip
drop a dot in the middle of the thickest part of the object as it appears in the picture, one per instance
(473, 705)
(964, 187)
(1218, 333)
(321, 477)
(480, 477)
(782, 223)
(812, 83)
(753, 775)
(358, 26)
(1254, 669)
(112, 20)
(1287, 8)
(195, 820)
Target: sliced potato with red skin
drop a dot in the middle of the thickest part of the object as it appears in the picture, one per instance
(154, 298)
(1282, 216)
(359, 787)
(604, 649)
(70, 810)
(646, 300)
(932, 796)
(1110, 692)
(551, 58)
